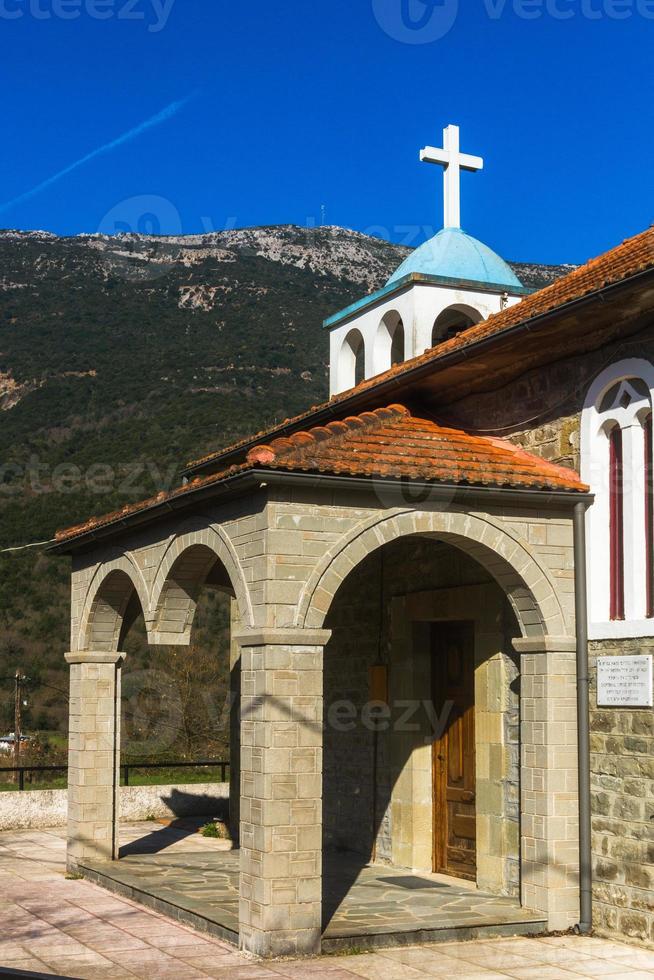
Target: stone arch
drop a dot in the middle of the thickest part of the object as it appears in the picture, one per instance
(351, 360)
(452, 320)
(183, 570)
(527, 583)
(107, 599)
(390, 342)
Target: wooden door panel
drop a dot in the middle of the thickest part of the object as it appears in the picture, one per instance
(462, 863)
(465, 826)
(453, 680)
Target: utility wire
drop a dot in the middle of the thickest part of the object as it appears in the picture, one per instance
(28, 681)
(24, 547)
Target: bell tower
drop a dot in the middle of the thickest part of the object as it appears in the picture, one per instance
(446, 285)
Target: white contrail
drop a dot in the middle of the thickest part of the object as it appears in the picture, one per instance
(161, 117)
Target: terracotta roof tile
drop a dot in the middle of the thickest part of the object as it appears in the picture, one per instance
(391, 442)
(388, 442)
(632, 256)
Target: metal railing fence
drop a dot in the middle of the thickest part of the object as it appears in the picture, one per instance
(125, 769)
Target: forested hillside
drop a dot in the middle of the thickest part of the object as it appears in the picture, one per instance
(122, 358)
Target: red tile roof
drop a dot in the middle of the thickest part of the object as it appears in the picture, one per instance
(391, 442)
(626, 260)
(387, 443)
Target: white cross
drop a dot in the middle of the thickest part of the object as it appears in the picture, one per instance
(454, 162)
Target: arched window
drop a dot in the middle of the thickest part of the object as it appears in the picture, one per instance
(649, 514)
(617, 452)
(389, 342)
(352, 361)
(452, 321)
(616, 522)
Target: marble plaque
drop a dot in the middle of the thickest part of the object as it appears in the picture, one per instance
(625, 682)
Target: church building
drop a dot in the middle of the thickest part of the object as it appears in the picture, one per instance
(442, 586)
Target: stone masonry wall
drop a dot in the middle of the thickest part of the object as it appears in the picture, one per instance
(541, 411)
(275, 545)
(622, 782)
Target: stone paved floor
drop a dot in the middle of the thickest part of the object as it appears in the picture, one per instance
(362, 899)
(54, 926)
(201, 876)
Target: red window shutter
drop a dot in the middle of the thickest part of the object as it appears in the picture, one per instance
(649, 517)
(616, 523)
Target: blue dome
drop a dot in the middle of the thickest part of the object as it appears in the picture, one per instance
(455, 255)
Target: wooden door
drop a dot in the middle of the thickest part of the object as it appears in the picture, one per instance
(453, 680)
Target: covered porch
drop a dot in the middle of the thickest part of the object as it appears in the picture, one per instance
(403, 657)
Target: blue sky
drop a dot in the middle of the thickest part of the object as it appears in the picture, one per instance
(287, 105)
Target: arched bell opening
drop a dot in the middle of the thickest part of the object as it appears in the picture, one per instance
(453, 321)
(352, 361)
(389, 342)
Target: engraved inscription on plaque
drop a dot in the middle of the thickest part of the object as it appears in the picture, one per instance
(625, 682)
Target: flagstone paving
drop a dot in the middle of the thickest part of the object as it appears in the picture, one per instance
(51, 925)
(369, 905)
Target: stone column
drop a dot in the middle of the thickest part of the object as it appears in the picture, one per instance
(281, 791)
(93, 756)
(234, 726)
(549, 793)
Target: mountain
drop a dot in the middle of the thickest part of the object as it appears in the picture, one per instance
(123, 357)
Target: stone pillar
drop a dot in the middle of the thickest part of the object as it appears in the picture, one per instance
(234, 726)
(281, 791)
(549, 793)
(93, 756)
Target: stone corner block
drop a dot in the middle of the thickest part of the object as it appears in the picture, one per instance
(288, 637)
(94, 657)
(545, 644)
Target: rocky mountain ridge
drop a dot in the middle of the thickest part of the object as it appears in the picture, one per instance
(323, 250)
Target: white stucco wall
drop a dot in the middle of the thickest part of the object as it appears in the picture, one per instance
(419, 305)
(32, 810)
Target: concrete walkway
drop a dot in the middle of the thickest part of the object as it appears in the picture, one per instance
(55, 926)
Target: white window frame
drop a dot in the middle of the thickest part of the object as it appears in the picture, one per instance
(595, 426)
